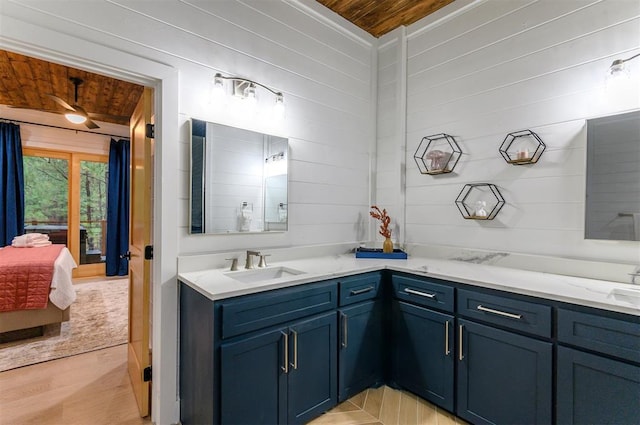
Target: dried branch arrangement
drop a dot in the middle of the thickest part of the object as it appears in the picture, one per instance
(384, 220)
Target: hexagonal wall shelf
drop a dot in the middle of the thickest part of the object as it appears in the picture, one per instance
(479, 201)
(522, 147)
(437, 154)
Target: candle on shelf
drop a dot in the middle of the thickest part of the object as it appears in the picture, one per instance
(523, 154)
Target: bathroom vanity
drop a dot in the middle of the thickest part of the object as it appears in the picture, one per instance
(489, 344)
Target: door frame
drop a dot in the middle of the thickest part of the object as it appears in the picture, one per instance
(43, 43)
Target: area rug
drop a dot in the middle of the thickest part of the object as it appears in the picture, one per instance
(99, 319)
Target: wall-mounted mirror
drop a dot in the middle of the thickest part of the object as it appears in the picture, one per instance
(613, 177)
(238, 180)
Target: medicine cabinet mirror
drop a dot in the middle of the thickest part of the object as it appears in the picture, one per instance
(613, 178)
(238, 180)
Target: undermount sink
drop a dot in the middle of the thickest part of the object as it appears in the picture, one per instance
(258, 275)
(630, 295)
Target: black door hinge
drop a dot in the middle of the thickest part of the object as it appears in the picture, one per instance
(148, 252)
(150, 131)
(146, 374)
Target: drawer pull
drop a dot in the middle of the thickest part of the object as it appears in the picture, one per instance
(361, 291)
(499, 313)
(447, 350)
(345, 327)
(285, 368)
(460, 351)
(419, 293)
(295, 350)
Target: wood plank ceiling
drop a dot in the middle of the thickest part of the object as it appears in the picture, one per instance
(378, 17)
(26, 82)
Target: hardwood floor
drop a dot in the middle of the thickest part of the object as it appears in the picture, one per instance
(91, 388)
(94, 389)
(386, 406)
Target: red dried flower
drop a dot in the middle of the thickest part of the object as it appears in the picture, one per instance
(384, 220)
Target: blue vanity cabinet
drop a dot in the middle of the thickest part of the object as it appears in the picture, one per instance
(504, 375)
(285, 375)
(423, 338)
(264, 358)
(360, 330)
(598, 368)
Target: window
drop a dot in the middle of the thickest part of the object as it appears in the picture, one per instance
(66, 198)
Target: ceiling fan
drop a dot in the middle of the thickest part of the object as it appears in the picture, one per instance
(75, 114)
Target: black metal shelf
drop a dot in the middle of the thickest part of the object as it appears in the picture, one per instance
(522, 147)
(437, 154)
(476, 194)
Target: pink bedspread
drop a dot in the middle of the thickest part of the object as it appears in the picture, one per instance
(25, 276)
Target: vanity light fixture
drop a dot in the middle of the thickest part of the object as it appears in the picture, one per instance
(246, 89)
(618, 67)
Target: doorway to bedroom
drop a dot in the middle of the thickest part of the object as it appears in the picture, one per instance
(65, 193)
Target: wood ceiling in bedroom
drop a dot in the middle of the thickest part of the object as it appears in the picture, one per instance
(25, 82)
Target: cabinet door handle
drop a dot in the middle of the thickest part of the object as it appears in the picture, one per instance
(447, 351)
(419, 293)
(499, 313)
(345, 330)
(361, 291)
(295, 350)
(285, 368)
(460, 332)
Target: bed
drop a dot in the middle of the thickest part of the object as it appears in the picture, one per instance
(60, 293)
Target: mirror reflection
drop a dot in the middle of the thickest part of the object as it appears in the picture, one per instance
(238, 180)
(613, 177)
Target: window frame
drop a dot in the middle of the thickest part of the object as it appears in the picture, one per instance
(73, 206)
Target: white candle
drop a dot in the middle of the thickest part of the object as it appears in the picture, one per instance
(523, 154)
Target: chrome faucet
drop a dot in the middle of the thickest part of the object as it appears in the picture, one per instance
(248, 264)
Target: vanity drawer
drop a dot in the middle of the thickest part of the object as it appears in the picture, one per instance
(251, 312)
(606, 335)
(423, 291)
(519, 315)
(354, 289)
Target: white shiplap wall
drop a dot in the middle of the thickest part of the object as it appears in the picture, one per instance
(324, 66)
(493, 67)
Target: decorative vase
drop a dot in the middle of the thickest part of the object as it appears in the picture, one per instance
(387, 246)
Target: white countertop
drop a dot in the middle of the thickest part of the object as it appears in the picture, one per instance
(216, 283)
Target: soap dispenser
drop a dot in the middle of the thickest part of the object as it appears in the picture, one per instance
(246, 215)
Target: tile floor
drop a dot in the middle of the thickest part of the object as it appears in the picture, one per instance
(386, 406)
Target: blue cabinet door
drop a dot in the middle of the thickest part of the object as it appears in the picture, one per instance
(360, 348)
(313, 368)
(423, 352)
(253, 379)
(596, 390)
(503, 377)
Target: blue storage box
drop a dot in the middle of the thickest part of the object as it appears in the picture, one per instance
(397, 254)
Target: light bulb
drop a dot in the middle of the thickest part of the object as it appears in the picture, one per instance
(250, 92)
(618, 69)
(278, 108)
(75, 118)
(218, 86)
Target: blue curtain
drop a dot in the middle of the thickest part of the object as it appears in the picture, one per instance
(118, 208)
(11, 183)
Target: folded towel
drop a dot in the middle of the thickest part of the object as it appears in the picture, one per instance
(39, 243)
(30, 240)
(33, 237)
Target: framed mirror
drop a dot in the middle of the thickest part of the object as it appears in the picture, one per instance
(613, 178)
(239, 180)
